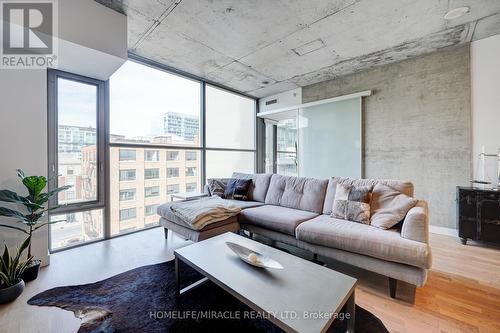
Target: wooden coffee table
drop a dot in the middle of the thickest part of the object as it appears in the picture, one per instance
(302, 297)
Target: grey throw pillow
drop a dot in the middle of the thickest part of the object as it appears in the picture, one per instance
(216, 187)
(389, 206)
(352, 203)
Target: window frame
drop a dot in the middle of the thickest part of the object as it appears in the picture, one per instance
(133, 190)
(104, 145)
(156, 173)
(127, 170)
(53, 149)
(127, 160)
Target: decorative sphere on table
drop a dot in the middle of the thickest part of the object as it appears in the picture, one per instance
(253, 258)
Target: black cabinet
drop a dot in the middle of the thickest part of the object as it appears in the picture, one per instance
(478, 214)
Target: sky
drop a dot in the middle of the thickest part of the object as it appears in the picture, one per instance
(145, 94)
(141, 95)
(76, 103)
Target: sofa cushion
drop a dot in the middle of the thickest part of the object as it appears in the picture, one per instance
(401, 186)
(297, 192)
(364, 239)
(258, 188)
(275, 218)
(245, 204)
(389, 206)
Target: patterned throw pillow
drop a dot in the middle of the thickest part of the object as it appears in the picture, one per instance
(237, 189)
(216, 187)
(352, 203)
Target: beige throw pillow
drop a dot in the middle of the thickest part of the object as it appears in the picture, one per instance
(352, 203)
(389, 206)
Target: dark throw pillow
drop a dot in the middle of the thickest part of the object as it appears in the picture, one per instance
(237, 189)
(352, 203)
(216, 187)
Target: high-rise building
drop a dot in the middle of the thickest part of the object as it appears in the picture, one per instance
(182, 125)
(71, 139)
(72, 170)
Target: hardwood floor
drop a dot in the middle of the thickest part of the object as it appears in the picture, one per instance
(462, 293)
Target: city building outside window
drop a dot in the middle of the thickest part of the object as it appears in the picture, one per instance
(151, 210)
(172, 155)
(191, 187)
(152, 173)
(191, 156)
(172, 172)
(128, 214)
(190, 171)
(152, 191)
(151, 155)
(172, 189)
(128, 174)
(127, 154)
(128, 194)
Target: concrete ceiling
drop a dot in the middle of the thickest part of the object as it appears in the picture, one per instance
(262, 47)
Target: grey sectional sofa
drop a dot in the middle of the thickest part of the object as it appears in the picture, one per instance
(296, 211)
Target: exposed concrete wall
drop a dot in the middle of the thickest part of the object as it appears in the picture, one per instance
(417, 124)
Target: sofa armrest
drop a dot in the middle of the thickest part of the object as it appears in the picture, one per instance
(416, 223)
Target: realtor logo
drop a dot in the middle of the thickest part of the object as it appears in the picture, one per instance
(28, 30)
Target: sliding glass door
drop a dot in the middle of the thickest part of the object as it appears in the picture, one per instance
(321, 140)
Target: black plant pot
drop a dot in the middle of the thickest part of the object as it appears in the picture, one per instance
(31, 273)
(11, 293)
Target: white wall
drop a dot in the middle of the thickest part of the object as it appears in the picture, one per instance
(23, 140)
(485, 84)
(94, 45)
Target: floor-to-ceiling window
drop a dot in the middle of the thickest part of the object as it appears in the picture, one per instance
(230, 133)
(165, 135)
(154, 137)
(76, 158)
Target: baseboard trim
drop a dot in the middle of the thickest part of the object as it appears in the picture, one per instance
(443, 231)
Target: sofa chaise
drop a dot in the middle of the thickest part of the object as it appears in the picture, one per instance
(296, 211)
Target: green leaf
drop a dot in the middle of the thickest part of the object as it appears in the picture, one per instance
(24, 245)
(35, 185)
(35, 217)
(10, 196)
(31, 206)
(12, 213)
(4, 278)
(20, 173)
(14, 227)
(44, 197)
(6, 256)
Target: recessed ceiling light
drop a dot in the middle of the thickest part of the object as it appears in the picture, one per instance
(456, 13)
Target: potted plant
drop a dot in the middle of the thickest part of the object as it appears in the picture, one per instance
(11, 271)
(35, 204)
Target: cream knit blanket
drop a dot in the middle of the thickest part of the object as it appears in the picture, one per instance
(202, 212)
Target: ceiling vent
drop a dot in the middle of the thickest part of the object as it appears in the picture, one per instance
(309, 47)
